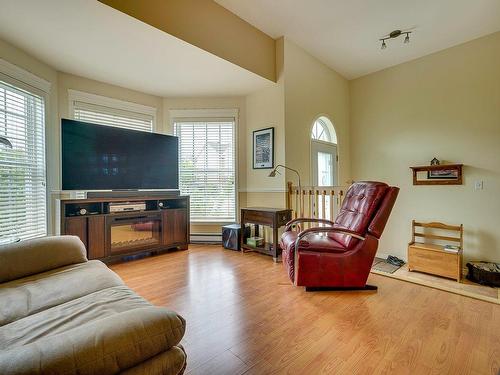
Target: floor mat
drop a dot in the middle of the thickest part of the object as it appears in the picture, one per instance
(382, 265)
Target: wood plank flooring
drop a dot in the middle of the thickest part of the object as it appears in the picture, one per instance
(465, 287)
(244, 317)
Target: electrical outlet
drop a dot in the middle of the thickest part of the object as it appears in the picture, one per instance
(478, 185)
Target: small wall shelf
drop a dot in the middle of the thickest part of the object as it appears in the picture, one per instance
(436, 180)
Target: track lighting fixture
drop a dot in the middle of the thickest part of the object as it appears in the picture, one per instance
(394, 34)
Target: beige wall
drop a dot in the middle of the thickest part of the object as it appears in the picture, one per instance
(265, 109)
(445, 105)
(313, 89)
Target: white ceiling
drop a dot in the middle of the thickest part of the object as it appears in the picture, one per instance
(87, 38)
(344, 33)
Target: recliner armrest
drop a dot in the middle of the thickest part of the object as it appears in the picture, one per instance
(306, 220)
(309, 231)
(105, 346)
(29, 257)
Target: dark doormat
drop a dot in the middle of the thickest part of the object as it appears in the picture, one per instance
(382, 265)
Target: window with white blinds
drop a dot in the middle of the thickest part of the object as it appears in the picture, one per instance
(22, 164)
(207, 169)
(103, 115)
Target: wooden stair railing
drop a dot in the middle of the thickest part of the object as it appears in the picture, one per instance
(314, 201)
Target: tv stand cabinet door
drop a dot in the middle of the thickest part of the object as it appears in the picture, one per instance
(76, 226)
(96, 229)
(175, 226)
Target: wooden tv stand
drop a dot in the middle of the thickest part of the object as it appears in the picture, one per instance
(163, 225)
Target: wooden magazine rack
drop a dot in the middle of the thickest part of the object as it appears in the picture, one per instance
(426, 256)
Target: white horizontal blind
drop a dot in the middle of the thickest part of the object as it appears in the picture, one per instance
(207, 167)
(103, 115)
(22, 168)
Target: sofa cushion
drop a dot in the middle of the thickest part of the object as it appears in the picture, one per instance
(42, 254)
(358, 208)
(70, 315)
(32, 294)
(104, 346)
(173, 361)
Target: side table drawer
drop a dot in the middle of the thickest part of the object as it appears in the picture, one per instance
(257, 217)
(284, 217)
(433, 262)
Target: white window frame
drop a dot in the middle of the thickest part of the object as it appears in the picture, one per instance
(104, 101)
(207, 114)
(25, 80)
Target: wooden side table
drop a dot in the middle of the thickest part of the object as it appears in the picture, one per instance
(267, 216)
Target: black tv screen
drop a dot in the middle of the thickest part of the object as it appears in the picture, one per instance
(97, 157)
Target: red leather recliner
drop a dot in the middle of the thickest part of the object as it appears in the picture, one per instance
(340, 254)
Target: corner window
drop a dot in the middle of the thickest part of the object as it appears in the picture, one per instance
(23, 207)
(207, 170)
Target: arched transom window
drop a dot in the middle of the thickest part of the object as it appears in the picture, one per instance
(323, 130)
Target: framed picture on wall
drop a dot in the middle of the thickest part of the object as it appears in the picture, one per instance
(263, 148)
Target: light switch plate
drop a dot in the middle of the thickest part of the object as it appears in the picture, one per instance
(478, 185)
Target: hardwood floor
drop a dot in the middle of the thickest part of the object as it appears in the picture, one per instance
(244, 317)
(465, 287)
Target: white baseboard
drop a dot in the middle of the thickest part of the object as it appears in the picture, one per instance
(206, 238)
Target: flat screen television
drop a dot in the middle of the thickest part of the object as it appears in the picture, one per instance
(97, 157)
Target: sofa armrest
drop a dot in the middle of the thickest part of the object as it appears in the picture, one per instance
(106, 346)
(29, 257)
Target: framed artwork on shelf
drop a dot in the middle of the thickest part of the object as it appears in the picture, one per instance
(263, 148)
(448, 174)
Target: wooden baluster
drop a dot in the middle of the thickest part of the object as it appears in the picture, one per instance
(297, 197)
(316, 196)
(289, 192)
(311, 205)
(332, 197)
(302, 203)
(323, 205)
(313, 201)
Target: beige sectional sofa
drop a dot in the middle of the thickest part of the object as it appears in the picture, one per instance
(63, 314)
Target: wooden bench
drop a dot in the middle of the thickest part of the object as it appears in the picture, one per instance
(427, 256)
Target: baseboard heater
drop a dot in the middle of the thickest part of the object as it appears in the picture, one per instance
(208, 238)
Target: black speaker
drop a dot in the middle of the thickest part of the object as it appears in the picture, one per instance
(231, 236)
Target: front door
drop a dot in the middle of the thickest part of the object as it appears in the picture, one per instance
(324, 173)
(323, 163)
